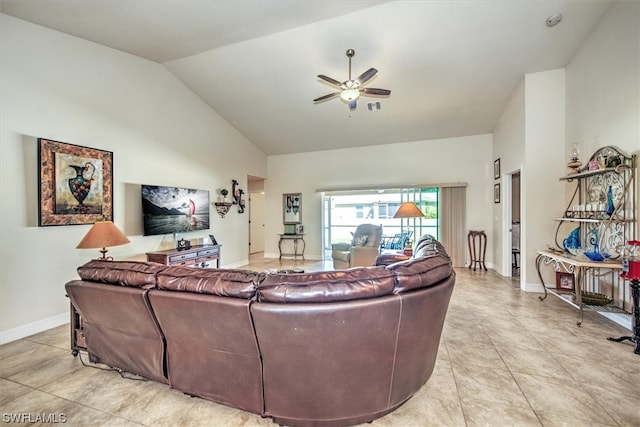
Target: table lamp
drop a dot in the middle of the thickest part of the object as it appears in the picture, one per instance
(408, 210)
(103, 234)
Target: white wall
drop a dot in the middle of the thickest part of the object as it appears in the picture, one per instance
(603, 86)
(464, 159)
(508, 146)
(544, 161)
(601, 107)
(66, 89)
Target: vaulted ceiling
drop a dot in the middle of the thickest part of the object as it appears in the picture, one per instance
(451, 65)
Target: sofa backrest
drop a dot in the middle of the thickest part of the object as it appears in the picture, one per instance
(310, 348)
(119, 326)
(421, 272)
(233, 283)
(211, 346)
(327, 286)
(423, 315)
(124, 273)
(379, 350)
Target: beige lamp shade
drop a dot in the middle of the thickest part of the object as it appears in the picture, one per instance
(103, 234)
(408, 210)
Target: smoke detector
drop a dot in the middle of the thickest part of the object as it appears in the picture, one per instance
(554, 20)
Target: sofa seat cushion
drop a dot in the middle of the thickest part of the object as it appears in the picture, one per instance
(327, 286)
(124, 273)
(421, 272)
(233, 283)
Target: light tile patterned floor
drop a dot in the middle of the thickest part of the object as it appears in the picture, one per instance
(506, 359)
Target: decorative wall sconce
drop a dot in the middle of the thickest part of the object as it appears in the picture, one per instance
(237, 196)
(222, 208)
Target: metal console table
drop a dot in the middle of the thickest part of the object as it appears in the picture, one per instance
(295, 238)
(583, 271)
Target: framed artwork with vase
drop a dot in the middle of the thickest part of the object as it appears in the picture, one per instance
(75, 184)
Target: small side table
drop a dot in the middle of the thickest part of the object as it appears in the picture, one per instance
(477, 241)
(295, 238)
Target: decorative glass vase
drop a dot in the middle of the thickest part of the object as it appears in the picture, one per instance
(610, 206)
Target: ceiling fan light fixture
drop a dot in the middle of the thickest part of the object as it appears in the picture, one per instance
(350, 94)
(351, 89)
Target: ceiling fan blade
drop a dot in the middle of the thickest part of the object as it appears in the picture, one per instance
(325, 97)
(364, 77)
(329, 80)
(352, 105)
(373, 91)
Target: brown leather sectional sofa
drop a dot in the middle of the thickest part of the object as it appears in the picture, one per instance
(322, 348)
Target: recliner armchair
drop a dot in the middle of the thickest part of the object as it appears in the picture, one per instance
(362, 251)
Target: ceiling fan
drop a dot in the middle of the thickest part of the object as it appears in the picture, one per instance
(352, 89)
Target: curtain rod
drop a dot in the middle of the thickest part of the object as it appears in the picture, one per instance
(387, 187)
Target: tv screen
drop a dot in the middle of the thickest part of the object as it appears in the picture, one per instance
(174, 210)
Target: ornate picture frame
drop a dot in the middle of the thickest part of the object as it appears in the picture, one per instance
(292, 208)
(565, 282)
(75, 184)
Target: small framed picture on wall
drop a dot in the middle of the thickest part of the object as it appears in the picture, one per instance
(496, 193)
(496, 168)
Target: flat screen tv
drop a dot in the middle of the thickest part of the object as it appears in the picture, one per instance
(169, 210)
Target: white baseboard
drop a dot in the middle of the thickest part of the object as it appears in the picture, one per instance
(533, 287)
(29, 329)
(236, 264)
(290, 257)
(622, 319)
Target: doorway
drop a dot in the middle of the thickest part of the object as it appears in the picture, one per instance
(515, 224)
(256, 214)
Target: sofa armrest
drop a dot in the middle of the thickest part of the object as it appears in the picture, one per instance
(341, 246)
(363, 256)
(391, 258)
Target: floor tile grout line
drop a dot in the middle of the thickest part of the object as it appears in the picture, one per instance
(579, 383)
(455, 381)
(524, 395)
(576, 380)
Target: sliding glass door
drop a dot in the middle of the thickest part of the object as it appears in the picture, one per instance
(343, 211)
